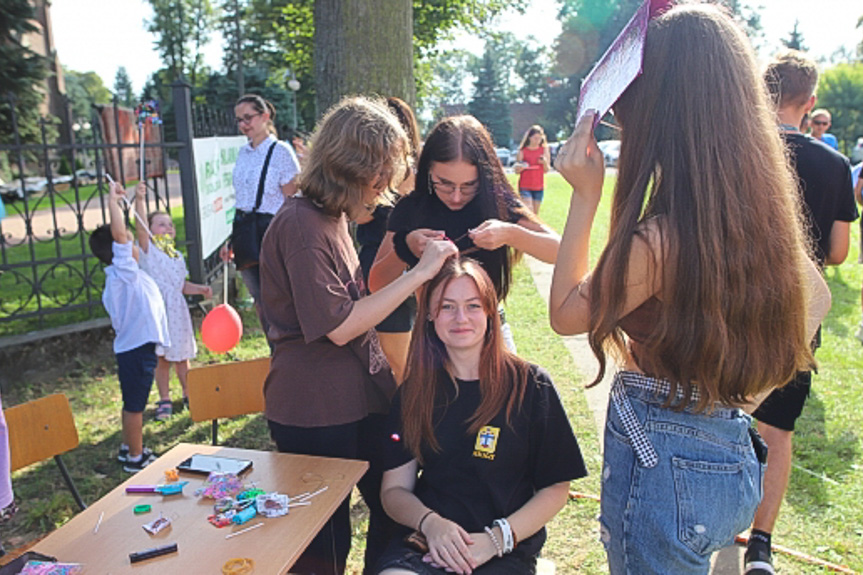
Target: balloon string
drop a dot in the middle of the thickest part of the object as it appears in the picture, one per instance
(225, 284)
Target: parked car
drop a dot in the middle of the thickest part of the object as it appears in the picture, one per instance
(86, 177)
(857, 152)
(32, 185)
(610, 151)
(505, 156)
(553, 148)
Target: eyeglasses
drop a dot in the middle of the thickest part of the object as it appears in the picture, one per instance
(468, 189)
(246, 119)
(820, 122)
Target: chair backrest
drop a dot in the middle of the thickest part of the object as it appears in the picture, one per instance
(227, 389)
(40, 429)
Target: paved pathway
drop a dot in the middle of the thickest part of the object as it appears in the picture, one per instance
(13, 225)
(728, 561)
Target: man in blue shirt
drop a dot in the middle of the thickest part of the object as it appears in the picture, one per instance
(820, 122)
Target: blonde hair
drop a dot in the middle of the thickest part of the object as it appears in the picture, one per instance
(791, 78)
(356, 144)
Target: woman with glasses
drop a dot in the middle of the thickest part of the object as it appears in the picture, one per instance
(329, 385)
(462, 193)
(489, 433)
(265, 164)
(688, 294)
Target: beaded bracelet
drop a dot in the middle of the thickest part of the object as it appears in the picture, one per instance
(495, 541)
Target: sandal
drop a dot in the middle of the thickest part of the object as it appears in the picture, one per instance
(164, 410)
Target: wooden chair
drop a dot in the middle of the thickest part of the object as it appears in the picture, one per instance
(40, 429)
(226, 390)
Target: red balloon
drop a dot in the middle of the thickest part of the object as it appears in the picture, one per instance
(222, 329)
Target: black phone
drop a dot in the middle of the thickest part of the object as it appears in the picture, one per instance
(206, 464)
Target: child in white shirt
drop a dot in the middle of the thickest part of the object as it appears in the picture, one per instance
(137, 312)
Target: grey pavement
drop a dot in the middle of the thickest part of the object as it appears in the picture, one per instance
(728, 561)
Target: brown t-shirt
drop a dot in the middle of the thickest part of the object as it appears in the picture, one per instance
(310, 279)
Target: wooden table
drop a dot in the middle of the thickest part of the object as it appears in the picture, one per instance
(203, 548)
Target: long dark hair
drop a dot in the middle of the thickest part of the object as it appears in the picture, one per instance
(465, 138)
(503, 376)
(716, 185)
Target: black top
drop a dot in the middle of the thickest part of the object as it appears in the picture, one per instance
(824, 176)
(478, 478)
(422, 210)
(369, 237)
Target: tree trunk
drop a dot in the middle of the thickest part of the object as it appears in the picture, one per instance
(363, 47)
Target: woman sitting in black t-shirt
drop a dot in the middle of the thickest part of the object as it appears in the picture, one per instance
(488, 431)
(462, 193)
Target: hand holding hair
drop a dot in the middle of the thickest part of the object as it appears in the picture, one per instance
(435, 254)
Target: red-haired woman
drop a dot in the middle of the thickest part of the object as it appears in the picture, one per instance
(488, 431)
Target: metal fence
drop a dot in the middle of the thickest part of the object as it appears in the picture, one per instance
(49, 280)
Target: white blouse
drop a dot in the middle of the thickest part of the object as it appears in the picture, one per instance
(247, 173)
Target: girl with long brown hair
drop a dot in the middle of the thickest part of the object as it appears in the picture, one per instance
(488, 431)
(462, 193)
(329, 386)
(704, 292)
(532, 161)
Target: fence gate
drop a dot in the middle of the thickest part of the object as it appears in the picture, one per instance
(50, 283)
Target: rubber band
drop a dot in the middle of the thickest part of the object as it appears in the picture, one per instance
(238, 566)
(422, 520)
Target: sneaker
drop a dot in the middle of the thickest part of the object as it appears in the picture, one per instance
(164, 410)
(186, 403)
(136, 466)
(758, 560)
(123, 453)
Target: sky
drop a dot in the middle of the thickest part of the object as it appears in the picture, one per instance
(84, 46)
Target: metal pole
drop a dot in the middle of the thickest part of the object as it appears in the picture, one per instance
(188, 179)
(241, 80)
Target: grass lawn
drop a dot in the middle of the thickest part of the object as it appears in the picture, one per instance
(73, 282)
(821, 515)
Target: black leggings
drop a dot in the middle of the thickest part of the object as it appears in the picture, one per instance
(328, 552)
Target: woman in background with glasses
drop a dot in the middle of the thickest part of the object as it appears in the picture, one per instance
(462, 193)
(255, 116)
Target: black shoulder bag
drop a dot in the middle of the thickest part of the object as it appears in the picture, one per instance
(247, 234)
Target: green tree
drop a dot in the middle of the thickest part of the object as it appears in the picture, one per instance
(749, 17)
(533, 69)
(181, 27)
(795, 39)
(279, 35)
(123, 88)
(860, 45)
(21, 73)
(840, 90)
(490, 104)
(83, 90)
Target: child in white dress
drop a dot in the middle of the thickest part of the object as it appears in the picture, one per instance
(167, 266)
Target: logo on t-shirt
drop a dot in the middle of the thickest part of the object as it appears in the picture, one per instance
(486, 442)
